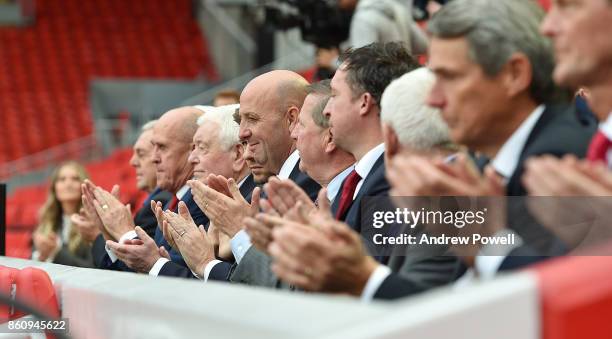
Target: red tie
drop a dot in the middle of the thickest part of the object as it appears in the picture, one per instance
(348, 190)
(598, 149)
(173, 203)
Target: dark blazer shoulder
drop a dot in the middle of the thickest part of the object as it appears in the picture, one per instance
(558, 132)
(310, 186)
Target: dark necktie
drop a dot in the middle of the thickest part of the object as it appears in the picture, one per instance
(598, 149)
(346, 197)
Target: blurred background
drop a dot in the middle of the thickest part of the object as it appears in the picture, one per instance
(79, 78)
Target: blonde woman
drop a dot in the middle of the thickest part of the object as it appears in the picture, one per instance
(55, 239)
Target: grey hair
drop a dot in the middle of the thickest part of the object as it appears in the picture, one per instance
(323, 89)
(404, 109)
(494, 30)
(228, 128)
(148, 125)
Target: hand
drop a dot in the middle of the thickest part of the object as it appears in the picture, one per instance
(570, 198)
(227, 213)
(160, 215)
(116, 217)
(138, 254)
(221, 243)
(260, 229)
(192, 241)
(87, 227)
(436, 178)
(283, 195)
(325, 256)
(89, 209)
(550, 176)
(45, 244)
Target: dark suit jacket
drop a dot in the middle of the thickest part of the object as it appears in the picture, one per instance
(559, 131)
(359, 214)
(254, 269)
(144, 218)
(219, 271)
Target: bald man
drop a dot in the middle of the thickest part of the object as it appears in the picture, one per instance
(269, 109)
(172, 136)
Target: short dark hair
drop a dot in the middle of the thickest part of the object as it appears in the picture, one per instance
(372, 67)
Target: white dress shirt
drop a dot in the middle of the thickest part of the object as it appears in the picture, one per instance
(606, 128)
(505, 163)
(365, 164)
(334, 185)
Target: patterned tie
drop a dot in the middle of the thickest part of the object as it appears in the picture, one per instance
(598, 149)
(346, 197)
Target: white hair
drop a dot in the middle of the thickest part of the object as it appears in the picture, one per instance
(404, 109)
(229, 129)
(148, 125)
(204, 108)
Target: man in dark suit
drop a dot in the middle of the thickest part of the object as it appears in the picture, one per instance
(172, 136)
(501, 106)
(142, 161)
(409, 127)
(265, 127)
(581, 62)
(217, 151)
(354, 116)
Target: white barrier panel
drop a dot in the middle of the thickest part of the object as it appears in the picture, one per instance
(103, 304)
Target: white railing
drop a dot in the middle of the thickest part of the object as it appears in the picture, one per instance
(106, 304)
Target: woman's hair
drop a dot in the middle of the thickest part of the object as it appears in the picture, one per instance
(51, 212)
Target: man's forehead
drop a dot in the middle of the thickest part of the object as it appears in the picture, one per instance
(207, 132)
(449, 55)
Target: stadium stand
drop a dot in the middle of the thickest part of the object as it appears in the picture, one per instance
(47, 67)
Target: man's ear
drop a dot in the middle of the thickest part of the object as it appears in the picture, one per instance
(237, 156)
(328, 141)
(292, 117)
(392, 144)
(517, 74)
(366, 103)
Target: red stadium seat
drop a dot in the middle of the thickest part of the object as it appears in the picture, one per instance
(31, 286)
(576, 297)
(52, 62)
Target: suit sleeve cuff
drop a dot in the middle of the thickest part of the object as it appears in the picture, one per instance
(376, 279)
(127, 236)
(158, 266)
(240, 244)
(209, 268)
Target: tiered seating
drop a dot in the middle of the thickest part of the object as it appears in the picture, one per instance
(46, 68)
(24, 204)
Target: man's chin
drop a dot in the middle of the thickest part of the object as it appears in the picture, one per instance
(261, 177)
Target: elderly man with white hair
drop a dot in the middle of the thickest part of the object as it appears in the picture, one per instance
(347, 268)
(217, 152)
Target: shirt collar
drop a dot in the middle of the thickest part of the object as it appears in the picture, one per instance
(334, 185)
(289, 165)
(606, 127)
(181, 192)
(506, 160)
(365, 164)
(243, 180)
